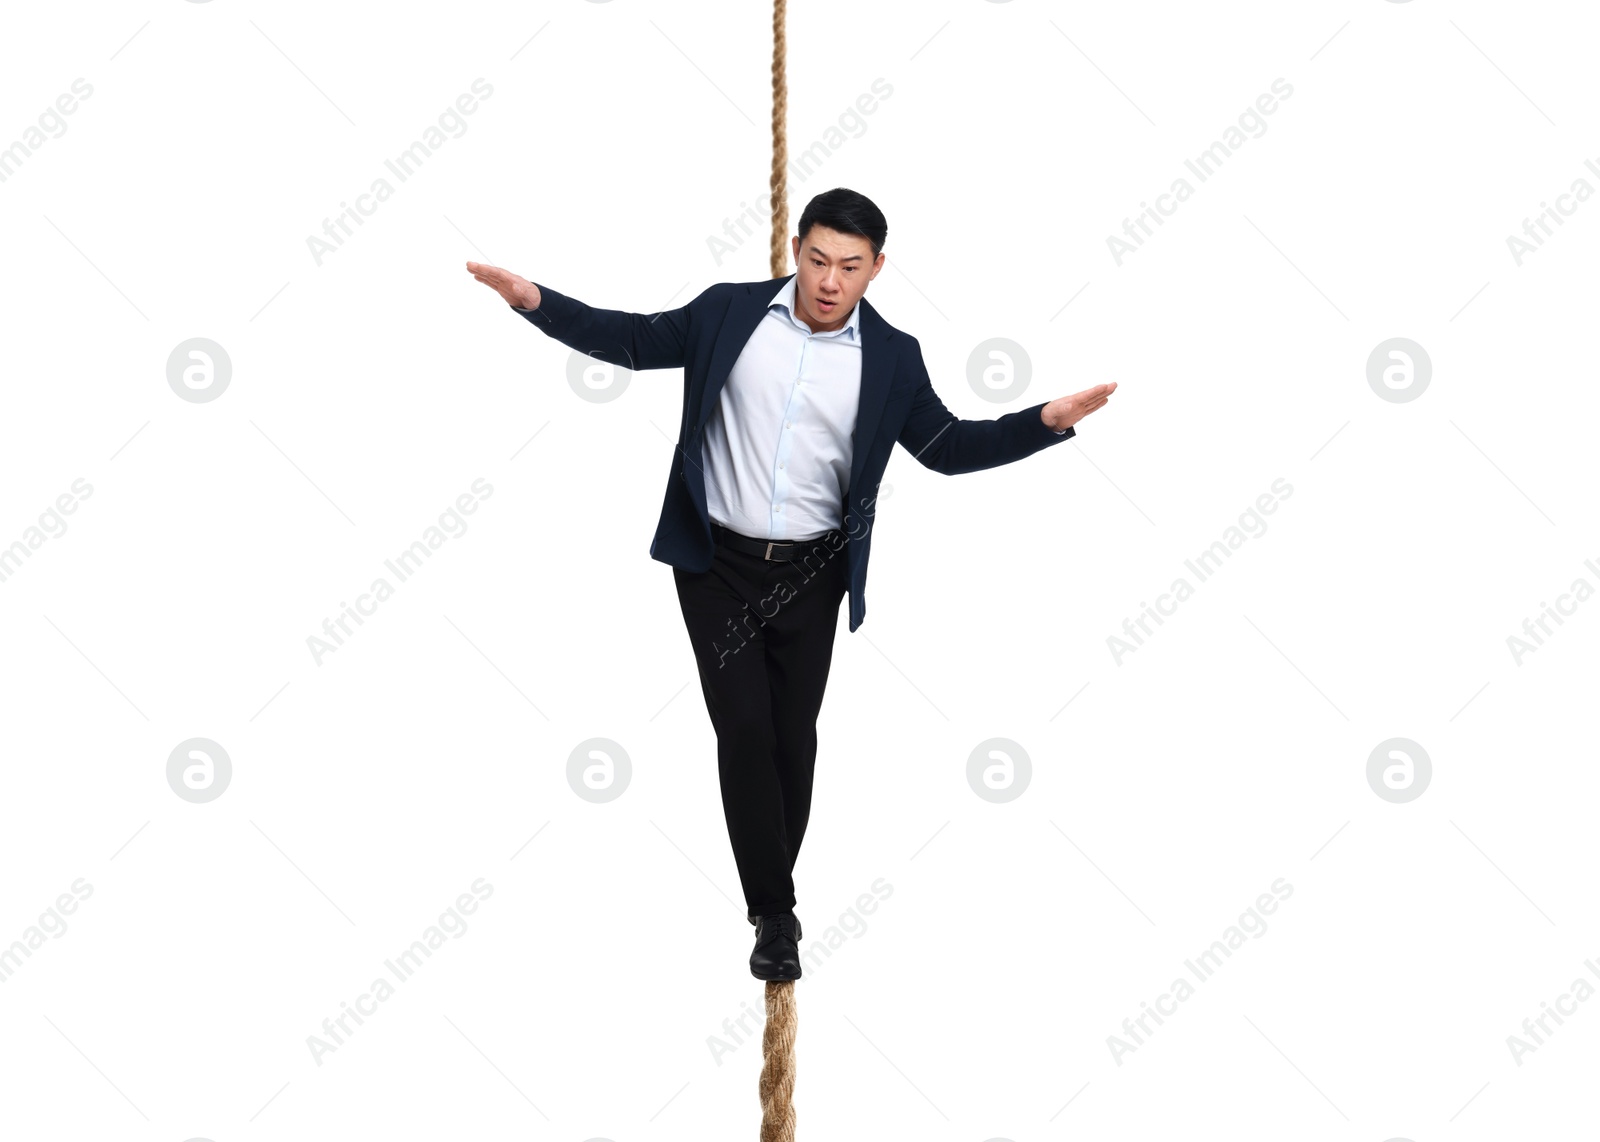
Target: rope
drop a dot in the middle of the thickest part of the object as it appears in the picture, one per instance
(780, 146)
(777, 1038)
(777, 1069)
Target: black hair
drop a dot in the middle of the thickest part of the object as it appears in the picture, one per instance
(847, 212)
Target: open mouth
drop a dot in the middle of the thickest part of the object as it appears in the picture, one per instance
(825, 306)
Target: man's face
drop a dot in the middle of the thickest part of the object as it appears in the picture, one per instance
(831, 273)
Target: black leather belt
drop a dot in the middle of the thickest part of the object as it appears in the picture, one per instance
(774, 549)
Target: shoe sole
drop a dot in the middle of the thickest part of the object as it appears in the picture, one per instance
(775, 978)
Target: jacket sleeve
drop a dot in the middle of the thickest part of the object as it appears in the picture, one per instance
(632, 340)
(947, 444)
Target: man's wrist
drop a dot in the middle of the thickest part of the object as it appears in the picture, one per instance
(1065, 432)
(532, 293)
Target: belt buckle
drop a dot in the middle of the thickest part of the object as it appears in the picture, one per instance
(771, 543)
(768, 555)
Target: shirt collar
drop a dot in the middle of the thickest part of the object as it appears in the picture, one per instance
(785, 299)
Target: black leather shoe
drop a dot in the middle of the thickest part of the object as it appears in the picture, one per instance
(777, 952)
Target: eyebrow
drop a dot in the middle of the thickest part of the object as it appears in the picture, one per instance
(851, 258)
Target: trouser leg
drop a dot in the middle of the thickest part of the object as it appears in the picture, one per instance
(762, 634)
(799, 652)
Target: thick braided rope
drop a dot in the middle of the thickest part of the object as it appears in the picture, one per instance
(780, 145)
(777, 1069)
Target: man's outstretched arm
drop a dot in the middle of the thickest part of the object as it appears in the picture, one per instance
(947, 444)
(633, 340)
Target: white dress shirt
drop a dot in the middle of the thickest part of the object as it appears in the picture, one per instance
(777, 447)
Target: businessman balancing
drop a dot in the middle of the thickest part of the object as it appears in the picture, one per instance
(795, 393)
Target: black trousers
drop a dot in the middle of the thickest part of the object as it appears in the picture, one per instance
(762, 632)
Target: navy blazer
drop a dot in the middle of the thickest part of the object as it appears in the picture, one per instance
(705, 338)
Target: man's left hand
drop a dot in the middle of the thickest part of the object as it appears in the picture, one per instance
(1063, 412)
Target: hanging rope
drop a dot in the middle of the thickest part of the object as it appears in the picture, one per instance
(777, 1069)
(777, 1038)
(780, 146)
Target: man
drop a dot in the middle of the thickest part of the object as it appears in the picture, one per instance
(795, 392)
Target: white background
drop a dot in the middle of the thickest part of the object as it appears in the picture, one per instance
(369, 391)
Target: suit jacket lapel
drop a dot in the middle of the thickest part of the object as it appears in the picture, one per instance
(877, 370)
(745, 313)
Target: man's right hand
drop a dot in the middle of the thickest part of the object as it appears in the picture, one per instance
(517, 291)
